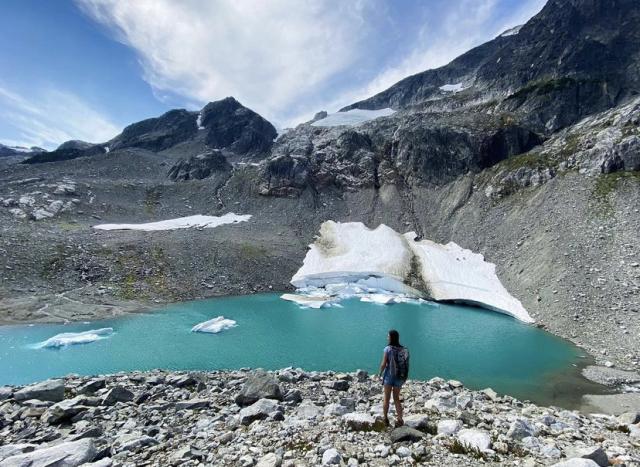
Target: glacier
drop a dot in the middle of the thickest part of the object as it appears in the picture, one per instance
(352, 117)
(196, 221)
(454, 88)
(215, 325)
(72, 338)
(382, 266)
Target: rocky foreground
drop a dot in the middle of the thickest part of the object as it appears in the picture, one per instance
(291, 417)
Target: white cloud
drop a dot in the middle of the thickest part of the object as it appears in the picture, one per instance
(50, 117)
(287, 59)
(265, 53)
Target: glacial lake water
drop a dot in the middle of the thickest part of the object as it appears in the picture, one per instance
(479, 347)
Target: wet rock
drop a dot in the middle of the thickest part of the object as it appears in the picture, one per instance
(405, 433)
(69, 454)
(49, 390)
(259, 385)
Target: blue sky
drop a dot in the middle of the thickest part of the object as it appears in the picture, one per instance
(84, 69)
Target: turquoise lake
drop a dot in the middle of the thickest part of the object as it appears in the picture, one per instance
(479, 347)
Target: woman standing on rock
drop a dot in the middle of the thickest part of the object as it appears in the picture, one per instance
(394, 370)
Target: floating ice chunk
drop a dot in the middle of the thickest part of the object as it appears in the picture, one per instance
(352, 117)
(455, 88)
(309, 301)
(72, 338)
(379, 298)
(352, 253)
(199, 221)
(215, 325)
(455, 274)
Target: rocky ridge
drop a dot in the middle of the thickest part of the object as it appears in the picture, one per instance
(292, 417)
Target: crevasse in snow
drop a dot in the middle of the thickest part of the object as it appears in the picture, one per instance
(197, 221)
(351, 260)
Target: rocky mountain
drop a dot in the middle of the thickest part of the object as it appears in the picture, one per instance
(6, 151)
(524, 149)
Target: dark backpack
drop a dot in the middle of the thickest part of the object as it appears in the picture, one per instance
(401, 356)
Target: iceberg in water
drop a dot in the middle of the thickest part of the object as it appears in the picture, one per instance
(382, 266)
(215, 325)
(72, 338)
(198, 220)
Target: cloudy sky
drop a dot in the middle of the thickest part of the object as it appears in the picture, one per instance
(84, 69)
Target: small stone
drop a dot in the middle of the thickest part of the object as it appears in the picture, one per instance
(403, 452)
(362, 422)
(117, 394)
(417, 421)
(521, 428)
(595, 453)
(490, 393)
(269, 460)
(331, 457)
(627, 418)
(258, 411)
(192, 404)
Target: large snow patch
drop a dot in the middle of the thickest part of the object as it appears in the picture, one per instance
(353, 117)
(377, 265)
(72, 338)
(198, 221)
(455, 274)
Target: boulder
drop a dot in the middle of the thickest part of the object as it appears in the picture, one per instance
(490, 393)
(199, 167)
(521, 428)
(92, 386)
(331, 457)
(362, 422)
(65, 410)
(476, 439)
(259, 411)
(405, 433)
(9, 450)
(117, 394)
(259, 385)
(192, 404)
(133, 442)
(336, 410)
(576, 462)
(594, 453)
(627, 418)
(308, 410)
(449, 427)
(5, 392)
(49, 390)
(417, 421)
(69, 454)
(269, 460)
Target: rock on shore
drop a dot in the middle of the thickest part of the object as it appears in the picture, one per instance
(292, 417)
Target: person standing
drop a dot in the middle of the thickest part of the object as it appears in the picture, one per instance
(394, 370)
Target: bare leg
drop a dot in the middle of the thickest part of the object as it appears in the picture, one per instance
(385, 403)
(398, 404)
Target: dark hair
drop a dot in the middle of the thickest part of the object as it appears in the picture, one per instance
(394, 338)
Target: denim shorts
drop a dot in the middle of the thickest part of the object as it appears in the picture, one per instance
(390, 380)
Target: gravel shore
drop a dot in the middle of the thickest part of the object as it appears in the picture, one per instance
(292, 417)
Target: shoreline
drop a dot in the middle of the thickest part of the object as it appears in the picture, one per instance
(117, 308)
(293, 417)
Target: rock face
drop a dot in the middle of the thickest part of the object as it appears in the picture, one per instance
(67, 151)
(157, 134)
(199, 167)
(233, 127)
